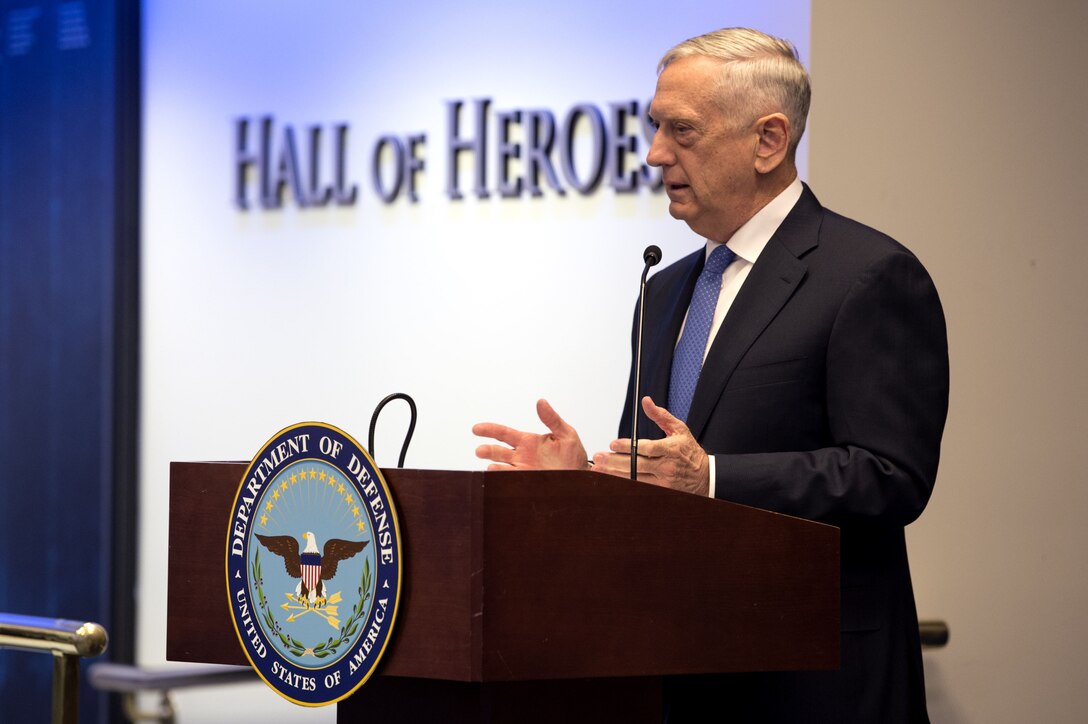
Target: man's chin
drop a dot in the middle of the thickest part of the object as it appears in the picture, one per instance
(686, 214)
(679, 210)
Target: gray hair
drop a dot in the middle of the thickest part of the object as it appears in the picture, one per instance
(760, 74)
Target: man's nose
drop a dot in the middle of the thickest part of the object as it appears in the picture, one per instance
(658, 155)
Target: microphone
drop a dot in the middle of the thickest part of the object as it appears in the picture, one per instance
(651, 256)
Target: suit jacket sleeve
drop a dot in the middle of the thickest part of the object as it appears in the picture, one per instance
(885, 389)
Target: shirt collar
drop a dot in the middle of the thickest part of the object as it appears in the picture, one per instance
(751, 238)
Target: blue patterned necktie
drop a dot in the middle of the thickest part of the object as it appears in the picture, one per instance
(687, 358)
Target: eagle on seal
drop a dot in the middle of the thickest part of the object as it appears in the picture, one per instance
(310, 566)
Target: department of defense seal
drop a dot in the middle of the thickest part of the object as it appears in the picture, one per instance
(313, 564)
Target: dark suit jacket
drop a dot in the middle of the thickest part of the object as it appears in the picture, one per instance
(823, 396)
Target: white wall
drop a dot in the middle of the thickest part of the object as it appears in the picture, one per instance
(958, 129)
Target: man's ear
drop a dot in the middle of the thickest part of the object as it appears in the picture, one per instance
(773, 142)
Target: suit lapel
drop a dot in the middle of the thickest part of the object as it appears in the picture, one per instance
(769, 285)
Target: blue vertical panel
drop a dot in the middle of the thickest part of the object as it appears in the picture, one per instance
(57, 256)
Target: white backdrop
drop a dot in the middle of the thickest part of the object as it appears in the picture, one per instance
(256, 319)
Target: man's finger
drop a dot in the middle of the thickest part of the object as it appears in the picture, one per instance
(646, 447)
(551, 418)
(620, 465)
(495, 453)
(612, 464)
(661, 417)
(502, 433)
(622, 445)
(654, 448)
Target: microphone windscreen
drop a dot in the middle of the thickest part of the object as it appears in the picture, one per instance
(652, 255)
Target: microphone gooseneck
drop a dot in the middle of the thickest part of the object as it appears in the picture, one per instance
(651, 256)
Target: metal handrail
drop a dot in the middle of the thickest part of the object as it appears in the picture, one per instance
(130, 681)
(68, 641)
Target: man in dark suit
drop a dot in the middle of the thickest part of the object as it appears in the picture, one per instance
(804, 364)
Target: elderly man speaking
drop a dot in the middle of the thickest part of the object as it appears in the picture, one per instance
(796, 362)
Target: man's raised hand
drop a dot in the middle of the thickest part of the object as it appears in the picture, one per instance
(558, 449)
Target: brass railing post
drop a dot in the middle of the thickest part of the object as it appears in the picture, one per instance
(68, 641)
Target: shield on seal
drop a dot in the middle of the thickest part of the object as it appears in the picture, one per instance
(311, 569)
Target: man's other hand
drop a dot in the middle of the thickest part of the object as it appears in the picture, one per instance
(677, 461)
(558, 449)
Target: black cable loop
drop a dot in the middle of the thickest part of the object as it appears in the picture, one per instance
(411, 425)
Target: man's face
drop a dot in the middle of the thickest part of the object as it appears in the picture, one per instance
(707, 162)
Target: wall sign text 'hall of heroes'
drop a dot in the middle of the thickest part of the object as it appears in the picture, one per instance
(508, 153)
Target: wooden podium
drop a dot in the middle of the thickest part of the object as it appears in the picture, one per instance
(544, 596)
